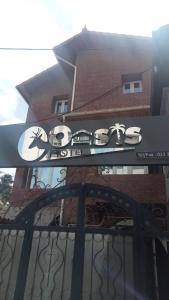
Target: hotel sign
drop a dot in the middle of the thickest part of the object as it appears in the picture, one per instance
(120, 141)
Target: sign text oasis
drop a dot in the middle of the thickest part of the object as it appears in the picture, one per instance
(59, 137)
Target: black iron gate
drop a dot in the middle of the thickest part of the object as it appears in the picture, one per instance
(79, 261)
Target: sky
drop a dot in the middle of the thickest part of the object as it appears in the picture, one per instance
(47, 23)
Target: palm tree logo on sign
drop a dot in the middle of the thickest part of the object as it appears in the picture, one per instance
(118, 128)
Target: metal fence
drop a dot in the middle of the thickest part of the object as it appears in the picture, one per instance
(83, 262)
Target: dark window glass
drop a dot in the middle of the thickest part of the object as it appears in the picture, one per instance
(136, 85)
(66, 106)
(59, 107)
(127, 86)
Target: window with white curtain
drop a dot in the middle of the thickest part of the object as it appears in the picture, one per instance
(61, 106)
(47, 176)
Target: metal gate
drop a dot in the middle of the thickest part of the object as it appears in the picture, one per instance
(78, 261)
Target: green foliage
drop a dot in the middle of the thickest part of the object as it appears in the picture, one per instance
(5, 187)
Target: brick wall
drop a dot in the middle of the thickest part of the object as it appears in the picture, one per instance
(40, 90)
(148, 188)
(99, 70)
(143, 188)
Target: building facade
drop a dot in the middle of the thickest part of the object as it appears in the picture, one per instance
(98, 75)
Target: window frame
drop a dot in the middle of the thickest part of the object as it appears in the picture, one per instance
(46, 177)
(61, 102)
(133, 89)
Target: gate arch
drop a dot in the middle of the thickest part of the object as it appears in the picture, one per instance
(142, 217)
(136, 245)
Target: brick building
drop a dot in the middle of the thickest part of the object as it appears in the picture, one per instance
(109, 75)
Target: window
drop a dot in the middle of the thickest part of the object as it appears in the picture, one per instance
(132, 83)
(132, 87)
(47, 177)
(61, 106)
(122, 170)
